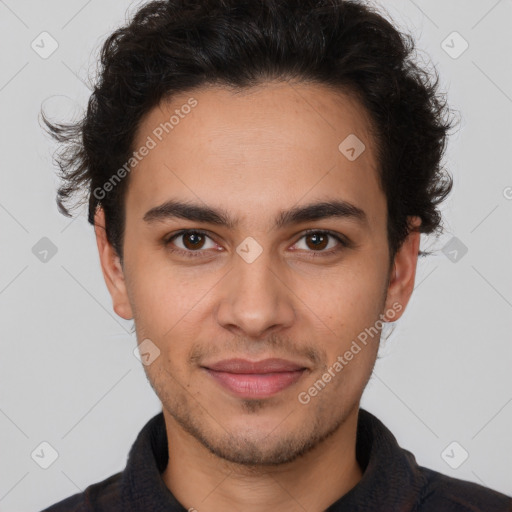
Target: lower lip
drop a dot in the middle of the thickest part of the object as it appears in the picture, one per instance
(256, 385)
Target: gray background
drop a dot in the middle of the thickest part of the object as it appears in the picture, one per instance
(67, 369)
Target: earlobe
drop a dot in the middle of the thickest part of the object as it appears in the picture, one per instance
(403, 273)
(112, 269)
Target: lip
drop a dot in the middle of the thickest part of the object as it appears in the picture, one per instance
(255, 379)
(272, 365)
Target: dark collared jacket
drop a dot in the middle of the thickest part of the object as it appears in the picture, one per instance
(392, 480)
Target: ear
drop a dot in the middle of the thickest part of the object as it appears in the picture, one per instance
(403, 273)
(112, 269)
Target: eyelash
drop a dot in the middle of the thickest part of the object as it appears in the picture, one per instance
(194, 254)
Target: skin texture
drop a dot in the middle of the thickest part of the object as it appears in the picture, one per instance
(256, 153)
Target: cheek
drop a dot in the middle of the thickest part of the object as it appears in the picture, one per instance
(161, 292)
(172, 307)
(347, 298)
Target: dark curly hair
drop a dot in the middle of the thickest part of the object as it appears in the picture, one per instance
(173, 46)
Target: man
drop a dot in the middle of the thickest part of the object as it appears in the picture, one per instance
(258, 175)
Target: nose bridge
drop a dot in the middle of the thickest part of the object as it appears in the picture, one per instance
(255, 275)
(255, 299)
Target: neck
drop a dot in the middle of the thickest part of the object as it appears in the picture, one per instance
(312, 482)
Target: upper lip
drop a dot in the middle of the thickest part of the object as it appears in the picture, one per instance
(272, 365)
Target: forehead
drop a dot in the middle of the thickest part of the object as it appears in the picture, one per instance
(275, 144)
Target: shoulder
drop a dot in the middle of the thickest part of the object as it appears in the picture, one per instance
(444, 493)
(98, 497)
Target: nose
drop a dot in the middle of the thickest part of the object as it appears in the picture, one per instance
(255, 298)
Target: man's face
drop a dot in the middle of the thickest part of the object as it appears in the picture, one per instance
(260, 288)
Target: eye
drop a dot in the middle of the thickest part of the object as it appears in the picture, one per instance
(189, 242)
(318, 241)
(193, 243)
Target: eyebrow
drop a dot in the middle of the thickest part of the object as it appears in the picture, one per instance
(174, 209)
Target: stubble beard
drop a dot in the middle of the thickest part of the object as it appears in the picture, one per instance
(242, 449)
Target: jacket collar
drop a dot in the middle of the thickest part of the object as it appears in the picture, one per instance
(391, 478)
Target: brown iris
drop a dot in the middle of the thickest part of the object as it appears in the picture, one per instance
(320, 240)
(196, 240)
